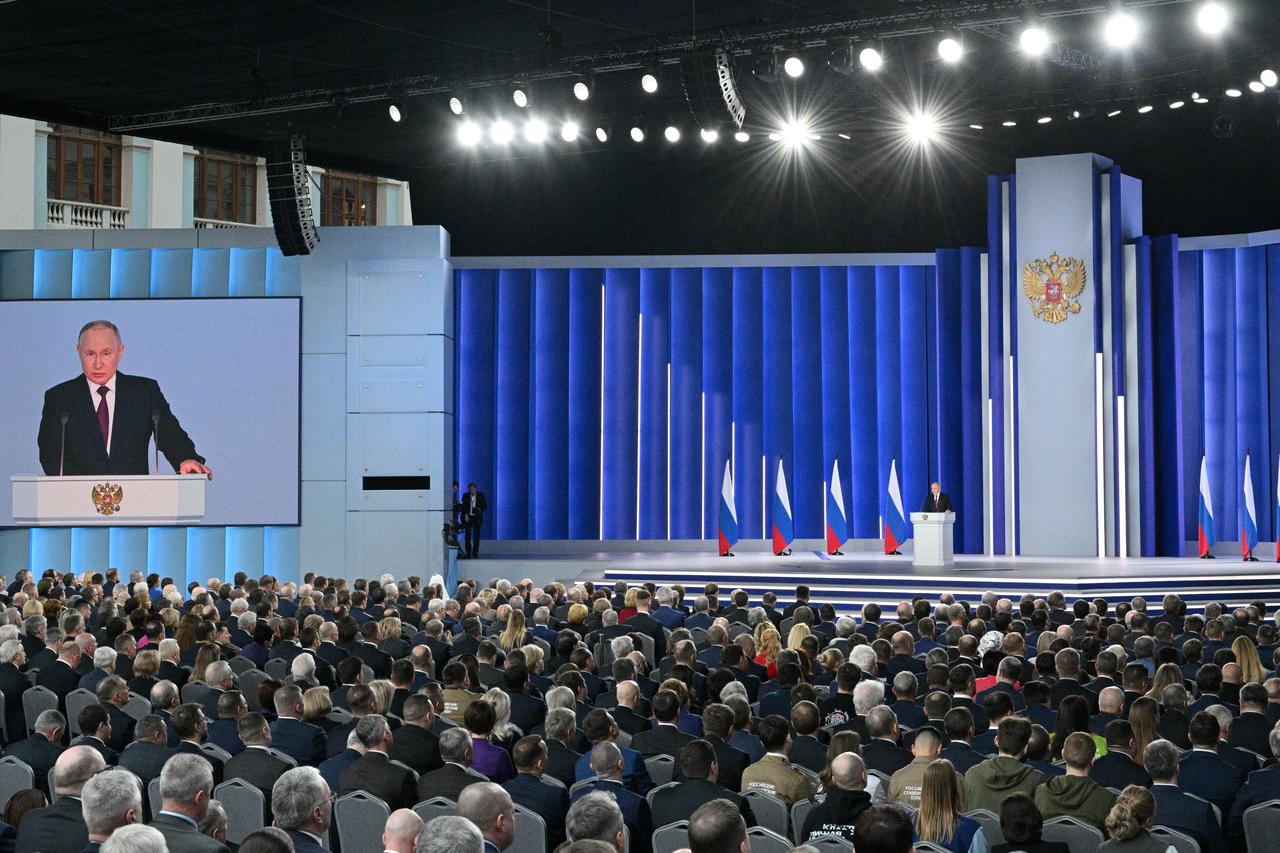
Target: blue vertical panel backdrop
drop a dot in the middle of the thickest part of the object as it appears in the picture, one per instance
(806, 364)
(184, 553)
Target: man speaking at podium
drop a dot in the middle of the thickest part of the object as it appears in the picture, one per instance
(109, 417)
(938, 500)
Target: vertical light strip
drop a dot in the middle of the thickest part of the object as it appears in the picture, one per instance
(1121, 479)
(733, 458)
(639, 405)
(668, 451)
(601, 411)
(764, 493)
(1099, 456)
(1011, 463)
(989, 475)
(824, 510)
(702, 465)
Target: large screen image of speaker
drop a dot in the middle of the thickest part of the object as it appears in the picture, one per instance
(216, 379)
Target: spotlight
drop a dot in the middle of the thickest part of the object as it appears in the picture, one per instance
(649, 82)
(535, 131)
(1256, 87)
(871, 58)
(1114, 113)
(394, 113)
(582, 90)
(1034, 41)
(1212, 19)
(1198, 98)
(1269, 78)
(457, 104)
(521, 97)
(1233, 93)
(794, 66)
(672, 133)
(742, 136)
(1044, 119)
(602, 135)
(1144, 109)
(950, 50)
(1120, 30)
(501, 132)
(775, 137)
(637, 134)
(1177, 104)
(845, 136)
(569, 131)
(469, 134)
(710, 135)
(975, 127)
(794, 134)
(921, 128)
(1009, 123)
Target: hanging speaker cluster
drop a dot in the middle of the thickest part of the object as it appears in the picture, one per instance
(289, 191)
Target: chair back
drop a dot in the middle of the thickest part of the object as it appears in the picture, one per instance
(649, 796)
(990, 825)
(576, 786)
(1078, 835)
(339, 715)
(1262, 824)
(138, 706)
(413, 772)
(770, 811)
(672, 837)
(15, 775)
(277, 668)
(1179, 841)
(799, 814)
(836, 844)
(287, 759)
(435, 807)
(214, 751)
(650, 650)
(4, 721)
(603, 652)
(761, 840)
(53, 794)
(241, 664)
(248, 682)
(930, 847)
(153, 795)
(361, 818)
(661, 768)
(192, 690)
(77, 701)
(245, 806)
(531, 832)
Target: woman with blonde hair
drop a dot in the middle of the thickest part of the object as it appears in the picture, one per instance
(515, 635)
(33, 607)
(505, 733)
(1144, 718)
(768, 644)
(1044, 641)
(317, 704)
(628, 604)
(533, 658)
(390, 639)
(797, 633)
(1246, 653)
(577, 614)
(1128, 823)
(185, 633)
(146, 665)
(209, 652)
(1166, 674)
(383, 693)
(939, 820)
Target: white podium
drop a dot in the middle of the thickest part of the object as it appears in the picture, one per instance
(933, 538)
(115, 500)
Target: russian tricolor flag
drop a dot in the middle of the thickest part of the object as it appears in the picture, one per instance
(1249, 520)
(784, 529)
(837, 521)
(728, 515)
(895, 520)
(1206, 533)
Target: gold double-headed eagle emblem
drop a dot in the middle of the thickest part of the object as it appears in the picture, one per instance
(1054, 286)
(107, 498)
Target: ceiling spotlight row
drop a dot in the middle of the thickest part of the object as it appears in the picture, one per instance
(536, 132)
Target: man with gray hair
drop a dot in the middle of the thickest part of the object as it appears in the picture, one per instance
(456, 774)
(605, 761)
(1179, 810)
(41, 749)
(303, 807)
(489, 807)
(108, 801)
(867, 695)
(60, 828)
(450, 834)
(596, 817)
(186, 786)
(373, 772)
(13, 682)
(104, 664)
(135, 838)
(882, 752)
(214, 824)
(561, 731)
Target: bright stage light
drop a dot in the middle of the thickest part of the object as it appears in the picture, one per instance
(569, 131)
(1269, 78)
(637, 134)
(501, 132)
(520, 97)
(469, 134)
(844, 136)
(1177, 104)
(672, 133)
(1121, 30)
(950, 50)
(1198, 98)
(709, 135)
(1034, 41)
(794, 134)
(742, 136)
(581, 90)
(1212, 19)
(975, 127)
(1144, 109)
(871, 59)
(1256, 87)
(1044, 119)
(602, 135)
(393, 112)
(455, 105)
(535, 131)
(1009, 123)
(922, 128)
(794, 66)
(1114, 113)
(649, 83)
(1233, 93)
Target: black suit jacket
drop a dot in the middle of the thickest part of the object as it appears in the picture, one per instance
(732, 762)
(300, 740)
(137, 400)
(416, 747)
(13, 682)
(550, 801)
(661, 740)
(61, 679)
(258, 767)
(1250, 731)
(942, 504)
(145, 760)
(58, 828)
(216, 763)
(446, 782)
(562, 762)
(464, 508)
(39, 754)
(1117, 770)
(808, 752)
(180, 835)
(1183, 812)
(678, 803)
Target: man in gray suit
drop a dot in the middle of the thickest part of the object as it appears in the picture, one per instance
(186, 785)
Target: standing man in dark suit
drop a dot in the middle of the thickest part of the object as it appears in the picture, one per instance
(303, 807)
(373, 772)
(937, 500)
(109, 417)
(471, 510)
(529, 789)
(60, 828)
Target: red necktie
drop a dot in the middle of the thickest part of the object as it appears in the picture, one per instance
(104, 416)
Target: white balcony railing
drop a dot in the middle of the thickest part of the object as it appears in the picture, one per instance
(201, 222)
(79, 214)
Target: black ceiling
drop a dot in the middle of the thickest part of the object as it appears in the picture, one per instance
(232, 73)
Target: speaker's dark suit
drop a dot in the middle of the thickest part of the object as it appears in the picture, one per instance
(447, 782)
(58, 828)
(471, 510)
(940, 503)
(1183, 812)
(180, 835)
(38, 754)
(145, 760)
(137, 400)
(550, 801)
(258, 767)
(300, 740)
(416, 747)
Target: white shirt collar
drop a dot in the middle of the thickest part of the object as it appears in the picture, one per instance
(93, 387)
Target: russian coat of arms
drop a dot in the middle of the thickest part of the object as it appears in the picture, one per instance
(1054, 286)
(107, 498)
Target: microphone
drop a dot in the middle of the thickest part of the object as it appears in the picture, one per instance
(62, 451)
(155, 428)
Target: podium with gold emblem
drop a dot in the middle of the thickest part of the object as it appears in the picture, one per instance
(115, 500)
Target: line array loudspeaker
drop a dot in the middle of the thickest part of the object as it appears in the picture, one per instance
(289, 191)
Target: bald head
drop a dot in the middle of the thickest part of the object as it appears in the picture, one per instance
(1111, 700)
(75, 766)
(848, 772)
(628, 693)
(606, 760)
(490, 808)
(402, 831)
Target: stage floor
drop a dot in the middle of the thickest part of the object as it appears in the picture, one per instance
(852, 580)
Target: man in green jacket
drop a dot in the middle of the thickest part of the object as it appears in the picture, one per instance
(987, 784)
(1075, 793)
